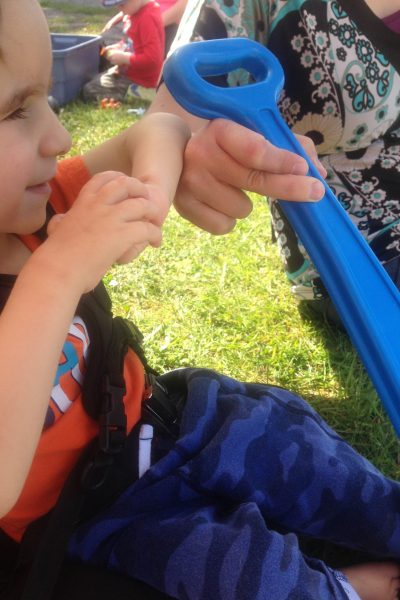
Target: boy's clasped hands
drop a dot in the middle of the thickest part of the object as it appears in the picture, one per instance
(124, 212)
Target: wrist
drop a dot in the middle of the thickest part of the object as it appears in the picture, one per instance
(162, 139)
(55, 275)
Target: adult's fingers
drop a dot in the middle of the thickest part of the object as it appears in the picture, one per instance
(254, 151)
(243, 159)
(311, 150)
(287, 187)
(218, 217)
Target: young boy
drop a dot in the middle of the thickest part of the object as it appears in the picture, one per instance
(243, 468)
(137, 58)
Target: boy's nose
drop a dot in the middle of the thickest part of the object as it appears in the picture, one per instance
(57, 140)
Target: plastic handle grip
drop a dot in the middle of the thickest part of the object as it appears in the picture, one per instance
(364, 295)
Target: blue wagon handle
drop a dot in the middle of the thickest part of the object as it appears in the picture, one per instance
(364, 295)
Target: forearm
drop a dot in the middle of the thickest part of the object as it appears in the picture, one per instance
(165, 103)
(33, 327)
(151, 150)
(118, 18)
(115, 20)
(161, 143)
(174, 13)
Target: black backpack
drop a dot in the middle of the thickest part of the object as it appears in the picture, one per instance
(36, 569)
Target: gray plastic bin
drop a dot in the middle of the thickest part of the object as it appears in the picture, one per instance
(75, 60)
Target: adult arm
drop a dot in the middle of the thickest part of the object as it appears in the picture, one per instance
(174, 13)
(113, 21)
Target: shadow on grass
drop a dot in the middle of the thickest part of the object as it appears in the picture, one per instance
(363, 420)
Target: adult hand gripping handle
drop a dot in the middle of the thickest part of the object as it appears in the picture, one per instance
(364, 295)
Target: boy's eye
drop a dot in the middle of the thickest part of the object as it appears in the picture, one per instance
(20, 113)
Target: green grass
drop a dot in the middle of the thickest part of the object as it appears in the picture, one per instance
(78, 19)
(224, 303)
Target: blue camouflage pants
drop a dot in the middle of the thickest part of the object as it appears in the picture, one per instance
(217, 517)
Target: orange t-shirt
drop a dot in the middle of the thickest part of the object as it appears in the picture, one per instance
(68, 429)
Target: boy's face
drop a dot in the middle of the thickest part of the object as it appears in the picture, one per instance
(30, 135)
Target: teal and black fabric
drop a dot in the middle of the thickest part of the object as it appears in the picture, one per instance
(342, 89)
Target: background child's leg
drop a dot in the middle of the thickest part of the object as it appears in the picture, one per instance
(109, 84)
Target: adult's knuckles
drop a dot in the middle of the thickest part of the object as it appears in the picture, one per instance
(254, 150)
(183, 202)
(239, 141)
(257, 181)
(197, 151)
(193, 179)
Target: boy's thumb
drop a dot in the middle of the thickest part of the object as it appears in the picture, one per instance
(53, 223)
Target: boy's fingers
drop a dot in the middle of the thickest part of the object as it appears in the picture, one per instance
(146, 233)
(99, 180)
(139, 209)
(123, 187)
(142, 235)
(53, 223)
(114, 186)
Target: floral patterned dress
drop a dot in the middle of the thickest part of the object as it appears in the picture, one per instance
(342, 89)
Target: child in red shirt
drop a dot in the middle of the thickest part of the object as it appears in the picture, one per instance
(137, 59)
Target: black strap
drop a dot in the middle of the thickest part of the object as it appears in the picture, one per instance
(160, 409)
(110, 336)
(50, 551)
(103, 393)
